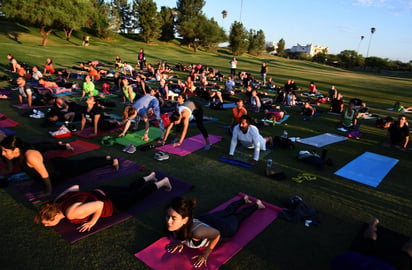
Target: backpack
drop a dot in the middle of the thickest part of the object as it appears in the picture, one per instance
(312, 158)
(281, 142)
(297, 210)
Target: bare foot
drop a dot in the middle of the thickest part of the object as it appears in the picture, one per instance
(164, 183)
(370, 232)
(69, 147)
(116, 164)
(150, 177)
(260, 204)
(246, 199)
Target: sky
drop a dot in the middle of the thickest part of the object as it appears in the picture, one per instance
(337, 24)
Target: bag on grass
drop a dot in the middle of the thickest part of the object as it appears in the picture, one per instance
(281, 142)
(297, 210)
(312, 158)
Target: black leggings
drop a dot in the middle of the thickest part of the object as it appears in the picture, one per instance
(198, 115)
(65, 168)
(125, 197)
(227, 221)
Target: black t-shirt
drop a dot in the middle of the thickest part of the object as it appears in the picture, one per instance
(398, 134)
(89, 115)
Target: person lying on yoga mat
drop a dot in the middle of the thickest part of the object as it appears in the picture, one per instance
(370, 252)
(206, 231)
(399, 108)
(93, 115)
(53, 170)
(248, 135)
(145, 107)
(87, 207)
(398, 133)
(181, 118)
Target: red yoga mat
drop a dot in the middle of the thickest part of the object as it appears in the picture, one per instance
(7, 122)
(79, 148)
(156, 256)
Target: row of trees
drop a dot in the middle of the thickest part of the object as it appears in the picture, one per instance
(103, 18)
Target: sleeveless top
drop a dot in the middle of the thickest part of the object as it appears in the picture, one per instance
(187, 105)
(348, 119)
(32, 172)
(197, 243)
(126, 93)
(72, 197)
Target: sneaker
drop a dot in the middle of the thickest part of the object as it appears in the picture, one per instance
(131, 149)
(126, 149)
(62, 132)
(161, 156)
(207, 147)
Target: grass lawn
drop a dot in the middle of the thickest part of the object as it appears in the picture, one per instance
(343, 205)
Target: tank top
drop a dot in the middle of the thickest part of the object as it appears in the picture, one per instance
(197, 243)
(348, 119)
(187, 105)
(72, 197)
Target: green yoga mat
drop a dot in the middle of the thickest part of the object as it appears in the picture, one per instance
(136, 137)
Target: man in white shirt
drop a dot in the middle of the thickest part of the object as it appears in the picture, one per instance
(248, 135)
(230, 85)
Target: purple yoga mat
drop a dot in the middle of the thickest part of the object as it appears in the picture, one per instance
(87, 132)
(7, 131)
(7, 122)
(156, 256)
(69, 232)
(189, 145)
(98, 175)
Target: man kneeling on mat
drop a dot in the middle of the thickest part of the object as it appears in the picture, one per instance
(86, 207)
(206, 231)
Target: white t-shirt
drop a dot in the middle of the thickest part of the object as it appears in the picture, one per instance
(251, 138)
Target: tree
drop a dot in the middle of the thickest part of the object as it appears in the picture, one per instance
(105, 19)
(281, 47)
(149, 22)
(238, 38)
(189, 17)
(167, 20)
(350, 59)
(124, 10)
(47, 14)
(211, 34)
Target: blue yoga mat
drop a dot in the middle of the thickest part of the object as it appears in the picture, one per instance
(236, 162)
(368, 168)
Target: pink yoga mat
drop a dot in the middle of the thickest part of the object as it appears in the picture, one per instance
(156, 256)
(87, 132)
(189, 145)
(7, 122)
(79, 148)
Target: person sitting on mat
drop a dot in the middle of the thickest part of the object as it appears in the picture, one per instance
(87, 207)
(307, 110)
(206, 231)
(349, 118)
(89, 88)
(145, 107)
(248, 135)
(52, 170)
(92, 114)
(181, 118)
(398, 133)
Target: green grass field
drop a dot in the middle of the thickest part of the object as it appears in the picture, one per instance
(343, 205)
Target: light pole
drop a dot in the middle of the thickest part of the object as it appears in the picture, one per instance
(241, 7)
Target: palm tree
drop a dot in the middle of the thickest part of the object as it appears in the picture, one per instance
(224, 15)
(373, 29)
(361, 38)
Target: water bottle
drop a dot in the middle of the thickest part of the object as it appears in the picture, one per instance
(269, 164)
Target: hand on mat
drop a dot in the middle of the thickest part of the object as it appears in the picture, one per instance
(86, 226)
(199, 260)
(145, 138)
(121, 135)
(177, 144)
(173, 247)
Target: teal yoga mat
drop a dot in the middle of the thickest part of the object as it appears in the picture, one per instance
(369, 168)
